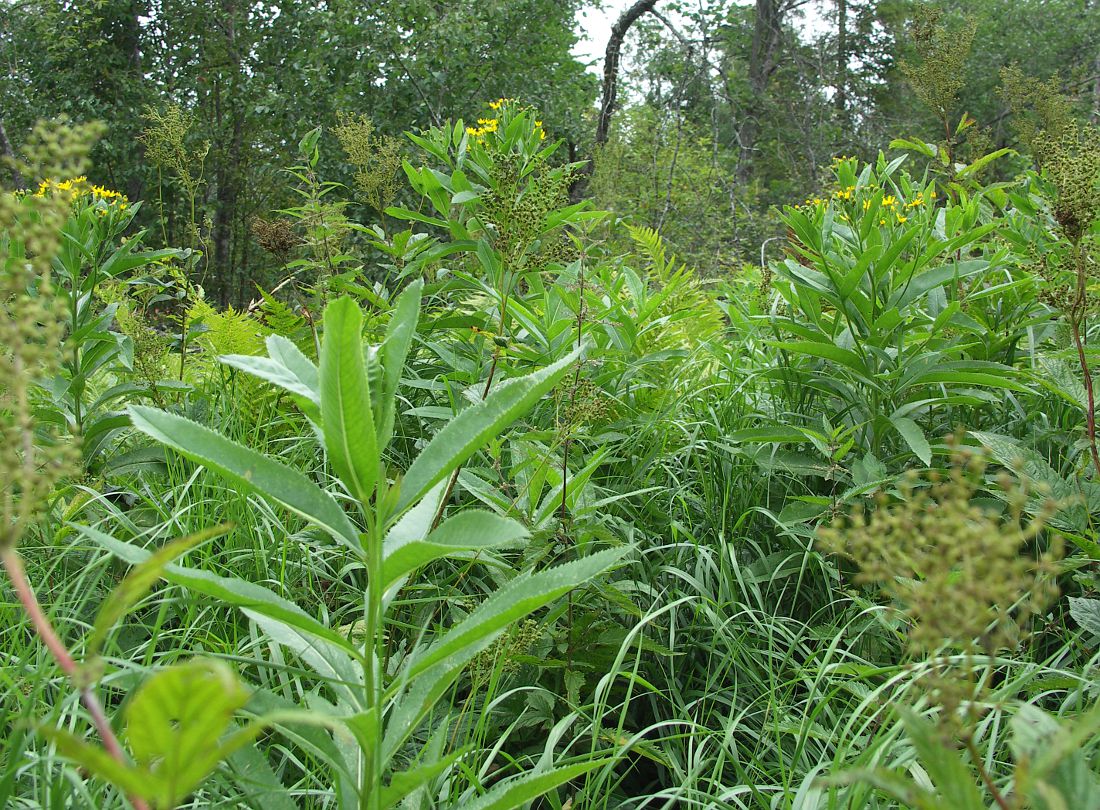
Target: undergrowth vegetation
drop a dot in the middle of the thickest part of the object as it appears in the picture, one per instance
(497, 503)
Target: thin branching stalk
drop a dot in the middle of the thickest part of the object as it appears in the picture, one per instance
(13, 564)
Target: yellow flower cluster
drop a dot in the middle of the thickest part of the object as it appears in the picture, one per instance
(79, 187)
(890, 203)
(487, 126)
(484, 127)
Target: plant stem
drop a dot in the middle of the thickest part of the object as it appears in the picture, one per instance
(573, 395)
(13, 563)
(371, 797)
(987, 780)
(454, 476)
(1076, 317)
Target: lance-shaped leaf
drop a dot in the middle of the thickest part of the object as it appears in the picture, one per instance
(474, 427)
(286, 367)
(395, 350)
(346, 415)
(237, 592)
(471, 530)
(139, 582)
(517, 792)
(252, 471)
(523, 595)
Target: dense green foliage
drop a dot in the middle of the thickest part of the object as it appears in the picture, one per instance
(361, 468)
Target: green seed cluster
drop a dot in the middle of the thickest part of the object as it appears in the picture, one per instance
(376, 158)
(166, 138)
(582, 404)
(516, 208)
(519, 640)
(940, 72)
(963, 573)
(32, 458)
(1067, 149)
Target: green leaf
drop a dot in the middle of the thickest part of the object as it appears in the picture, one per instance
(893, 784)
(96, 760)
(520, 790)
(952, 777)
(523, 595)
(781, 434)
(914, 437)
(286, 367)
(1065, 781)
(982, 162)
(248, 469)
(926, 149)
(470, 430)
(405, 782)
(470, 530)
(828, 351)
(175, 723)
(404, 213)
(1086, 612)
(395, 351)
(346, 416)
(140, 580)
(232, 591)
(330, 661)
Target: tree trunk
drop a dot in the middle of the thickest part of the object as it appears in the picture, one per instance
(227, 174)
(8, 154)
(611, 65)
(767, 32)
(840, 100)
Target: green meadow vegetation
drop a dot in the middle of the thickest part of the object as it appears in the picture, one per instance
(474, 462)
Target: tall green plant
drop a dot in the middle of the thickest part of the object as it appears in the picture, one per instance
(871, 318)
(371, 699)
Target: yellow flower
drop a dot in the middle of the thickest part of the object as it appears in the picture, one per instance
(882, 222)
(866, 205)
(889, 200)
(902, 219)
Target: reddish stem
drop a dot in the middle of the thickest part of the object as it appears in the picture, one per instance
(13, 563)
(1090, 411)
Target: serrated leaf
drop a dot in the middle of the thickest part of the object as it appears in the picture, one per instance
(469, 530)
(520, 790)
(523, 595)
(395, 351)
(140, 580)
(232, 591)
(472, 429)
(175, 726)
(1086, 612)
(248, 469)
(956, 783)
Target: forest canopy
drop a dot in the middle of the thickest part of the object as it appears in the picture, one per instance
(400, 408)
